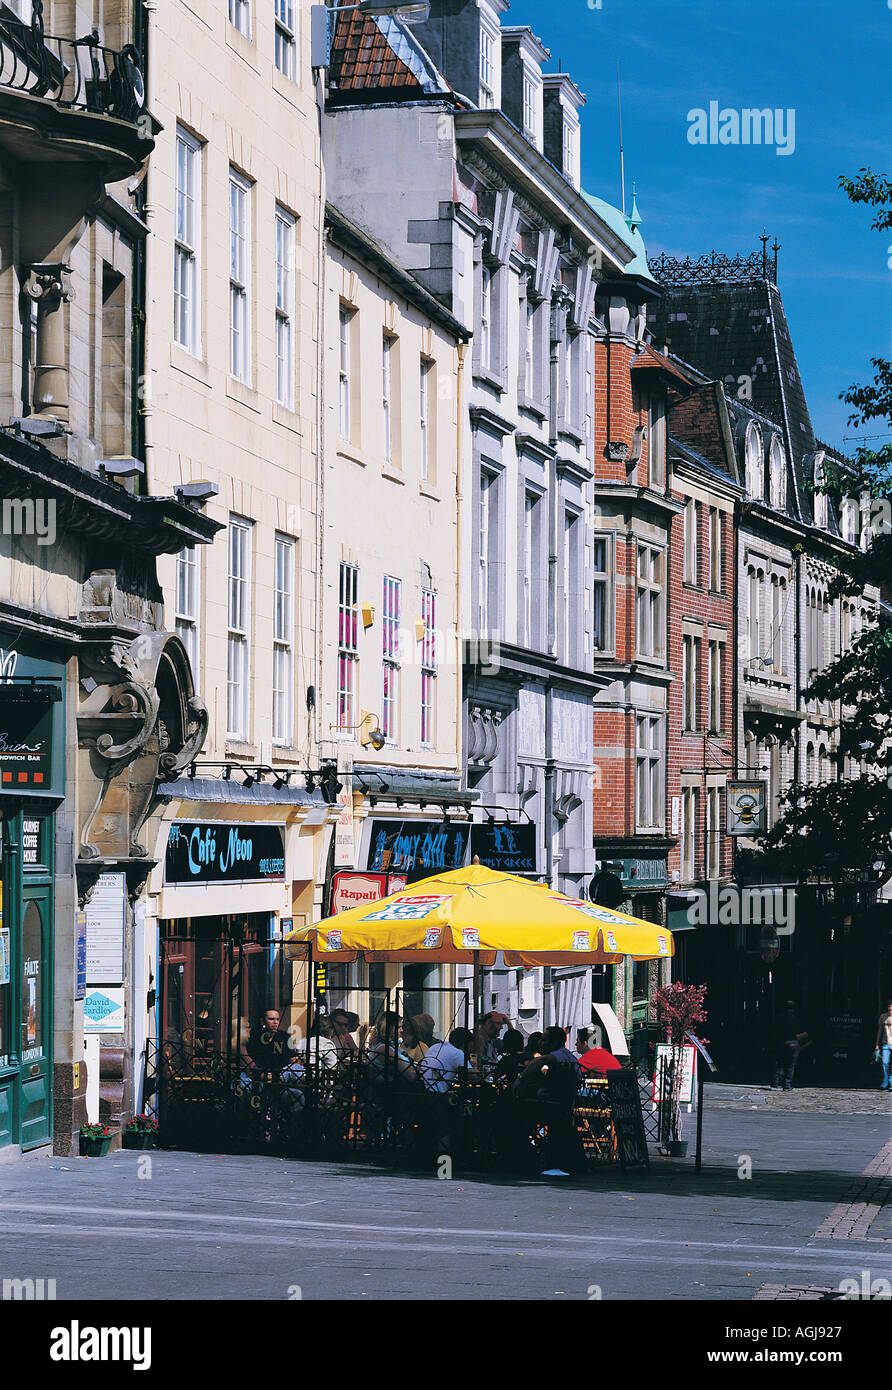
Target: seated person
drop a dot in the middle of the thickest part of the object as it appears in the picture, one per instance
(443, 1061)
(549, 1086)
(267, 1046)
(341, 1035)
(487, 1049)
(510, 1065)
(534, 1047)
(417, 1034)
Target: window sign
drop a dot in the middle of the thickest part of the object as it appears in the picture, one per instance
(217, 852)
(105, 931)
(32, 992)
(31, 843)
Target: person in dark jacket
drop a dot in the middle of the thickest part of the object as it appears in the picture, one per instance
(789, 1036)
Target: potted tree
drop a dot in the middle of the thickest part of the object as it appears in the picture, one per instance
(94, 1140)
(139, 1133)
(678, 1007)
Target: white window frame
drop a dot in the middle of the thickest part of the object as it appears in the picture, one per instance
(602, 584)
(429, 666)
(187, 244)
(345, 320)
(487, 276)
(238, 660)
(391, 617)
(690, 662)
(529, 105)
(286, 38)
(715, 549)
(777, 474)
(650, 603)
(283, 640)
(712, 832)
(656, 441)
(754, 614)
(487, 536)
(239, 276)
(690, 541)
(187, 603)
(348, 649)
(286, 227)
(649, 771)
(687, 848)
(754, 463)
(488, 43)
(240, 16)
(714, 688)
(425, 370)
(387, 395)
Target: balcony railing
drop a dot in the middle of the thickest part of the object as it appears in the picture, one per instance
(76, 73)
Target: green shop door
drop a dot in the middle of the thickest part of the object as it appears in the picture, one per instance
(36, 1020)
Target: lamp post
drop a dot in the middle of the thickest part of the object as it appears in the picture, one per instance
(407, 11)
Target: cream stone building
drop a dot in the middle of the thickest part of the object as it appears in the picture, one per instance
(231, 413)
(391, 668)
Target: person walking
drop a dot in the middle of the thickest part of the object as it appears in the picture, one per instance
(789, 1038)
(884, 1046)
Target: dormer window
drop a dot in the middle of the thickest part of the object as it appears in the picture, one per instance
(850, 520)
(777, 474)
(755, 479)
(562, 100)
(529, 108)
(487, 68)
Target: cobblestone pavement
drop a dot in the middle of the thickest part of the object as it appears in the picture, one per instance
(812, 1100)
(862, 1214)
(865, 1211)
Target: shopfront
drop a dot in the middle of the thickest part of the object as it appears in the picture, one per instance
(637, 874)
(32, 779)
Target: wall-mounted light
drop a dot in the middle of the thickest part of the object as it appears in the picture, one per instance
(368, 614)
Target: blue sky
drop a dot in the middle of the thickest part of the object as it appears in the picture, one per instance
(829, 61)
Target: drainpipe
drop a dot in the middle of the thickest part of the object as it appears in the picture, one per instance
(461, 349)
(553, 518)
(146, 409)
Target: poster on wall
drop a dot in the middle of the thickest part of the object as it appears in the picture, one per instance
(104, 1010)
(4, 956)
(355, 889)
(417, 848)
(105, 931)
(344, 838)
(80, 987)
(218, 852)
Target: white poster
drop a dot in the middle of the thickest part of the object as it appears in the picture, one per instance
(104, 1011)
(345, 840)
(105, 931)
(688, 1055)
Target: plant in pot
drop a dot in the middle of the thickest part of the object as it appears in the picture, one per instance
(140, 1132)
(678, 1008)
(94, 1140)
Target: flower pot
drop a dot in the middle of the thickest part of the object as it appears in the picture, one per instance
(94, 1148)
(137, 1139)
(678, 1148)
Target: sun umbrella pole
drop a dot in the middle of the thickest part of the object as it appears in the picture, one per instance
(476, 998)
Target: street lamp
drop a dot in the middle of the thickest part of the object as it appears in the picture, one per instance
(407, 11)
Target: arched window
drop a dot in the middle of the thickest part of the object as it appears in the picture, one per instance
(810, 764)
(777, 468)
(851, 520)
(755, 477)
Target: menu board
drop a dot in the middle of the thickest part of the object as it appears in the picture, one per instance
(105, 931)
(628, 1121)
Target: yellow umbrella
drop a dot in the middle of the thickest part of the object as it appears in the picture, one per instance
(467, 915)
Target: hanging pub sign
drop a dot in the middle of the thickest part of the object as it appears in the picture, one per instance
(417, 848)
(747, 808)
(26, 735)
(509, 849)
(217, 852)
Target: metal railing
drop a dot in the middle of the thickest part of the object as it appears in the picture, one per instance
(78, 74)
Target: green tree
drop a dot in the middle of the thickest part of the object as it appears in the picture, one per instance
(848, 821)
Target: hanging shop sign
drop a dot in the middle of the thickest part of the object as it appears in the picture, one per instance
(417, 848)
(355, 889)
(104, 1011)
(26, 735)
(344, 835)
(747, 809)
(80, 988)
(218, 852)
(509, 849)
(104, 947)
